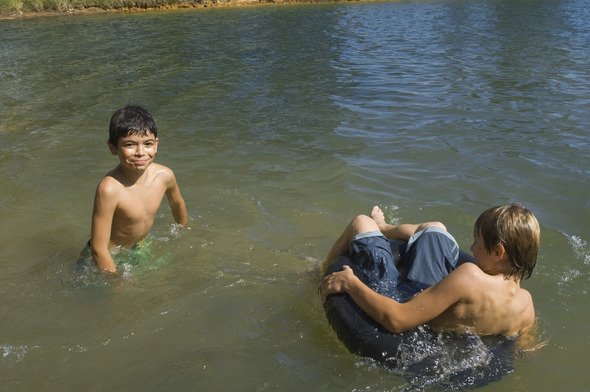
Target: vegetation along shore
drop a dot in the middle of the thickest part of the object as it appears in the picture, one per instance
(29, 8)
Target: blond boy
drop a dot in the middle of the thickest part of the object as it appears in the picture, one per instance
(128, 197)
(484, 297)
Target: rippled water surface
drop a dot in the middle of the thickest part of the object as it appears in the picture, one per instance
(281, 124)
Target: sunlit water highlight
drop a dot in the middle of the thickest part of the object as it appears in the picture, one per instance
(281, 124)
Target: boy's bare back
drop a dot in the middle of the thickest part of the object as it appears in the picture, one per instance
(487, 304)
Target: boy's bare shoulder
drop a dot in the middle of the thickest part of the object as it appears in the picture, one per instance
(474, 278)
(469, 268)
(110, 184)
(162, 173)
(113, 179)
(468, 273)
(108, 194)
(466, 283)
(159, 168)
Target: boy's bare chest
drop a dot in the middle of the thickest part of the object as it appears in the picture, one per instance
(139, 203)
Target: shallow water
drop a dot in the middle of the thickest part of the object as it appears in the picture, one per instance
(281, 124)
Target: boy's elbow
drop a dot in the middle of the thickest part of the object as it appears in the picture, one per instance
(396, 328)
(395, 325)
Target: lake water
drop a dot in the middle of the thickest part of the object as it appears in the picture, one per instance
(282, 123)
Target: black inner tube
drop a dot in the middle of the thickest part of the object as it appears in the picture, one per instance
(454, 360)
(360, 333)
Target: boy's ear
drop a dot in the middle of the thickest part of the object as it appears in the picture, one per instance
(499, 252)
(112, 147)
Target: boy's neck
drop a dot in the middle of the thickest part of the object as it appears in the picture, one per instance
(504, 272)
(129, 177)
(508, 276)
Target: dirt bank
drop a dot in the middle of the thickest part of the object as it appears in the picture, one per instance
(81, 10)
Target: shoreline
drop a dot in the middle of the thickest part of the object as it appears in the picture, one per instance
(93, 9)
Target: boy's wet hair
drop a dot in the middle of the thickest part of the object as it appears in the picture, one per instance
(131, 120)
(517, 230)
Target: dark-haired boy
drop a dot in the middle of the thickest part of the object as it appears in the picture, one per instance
(128, 197)
(484, 297)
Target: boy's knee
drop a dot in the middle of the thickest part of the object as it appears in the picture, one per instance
(363, 223)
(440, 225)
(361, 219)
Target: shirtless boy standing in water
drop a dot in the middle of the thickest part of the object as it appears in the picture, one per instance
(129, 196)
(484, 298)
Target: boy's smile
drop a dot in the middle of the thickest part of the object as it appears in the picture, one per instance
(135, 151)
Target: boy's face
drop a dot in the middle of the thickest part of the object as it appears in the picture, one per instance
(480, 253)
(136, 152)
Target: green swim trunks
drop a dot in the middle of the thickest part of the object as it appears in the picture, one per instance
(140, 253)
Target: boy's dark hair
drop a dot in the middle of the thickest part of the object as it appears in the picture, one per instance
(130, 120)
(517, 230)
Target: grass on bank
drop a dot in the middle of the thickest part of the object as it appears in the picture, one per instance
(16, 7)
(23, 6)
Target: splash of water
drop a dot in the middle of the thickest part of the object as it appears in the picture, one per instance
(11, 351)
(580, 248)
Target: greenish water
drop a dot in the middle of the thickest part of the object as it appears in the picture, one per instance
(281, 124)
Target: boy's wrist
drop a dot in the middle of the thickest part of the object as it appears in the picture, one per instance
(353, 285)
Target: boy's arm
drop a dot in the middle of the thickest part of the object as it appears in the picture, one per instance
(105, 203)
(176, 201)
(394, 316)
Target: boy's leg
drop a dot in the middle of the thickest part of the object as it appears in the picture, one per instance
(360, 224)
(364, 224)
(371, 255)
(401, 232)
(368, 251)
(431, 254)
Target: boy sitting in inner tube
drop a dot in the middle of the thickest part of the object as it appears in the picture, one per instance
(484, 298)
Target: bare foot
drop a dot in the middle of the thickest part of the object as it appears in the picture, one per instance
(379, 217)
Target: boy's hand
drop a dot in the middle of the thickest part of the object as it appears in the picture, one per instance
(337, 282)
